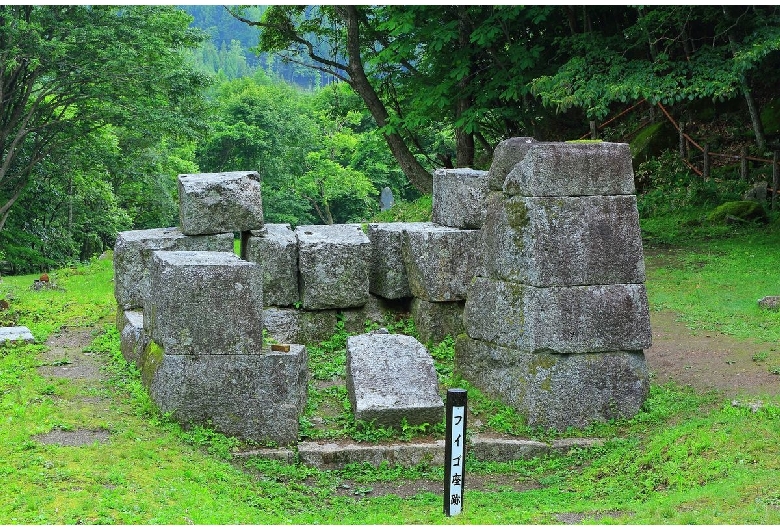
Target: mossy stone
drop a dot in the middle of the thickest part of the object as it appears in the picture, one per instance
(749, 211)
(151, 360)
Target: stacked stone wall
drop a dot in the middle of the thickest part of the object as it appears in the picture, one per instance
(556, 317)
(536, 266)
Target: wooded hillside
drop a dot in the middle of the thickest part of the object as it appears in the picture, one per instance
(103, 106)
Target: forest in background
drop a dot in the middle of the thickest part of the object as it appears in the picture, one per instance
(102, 107)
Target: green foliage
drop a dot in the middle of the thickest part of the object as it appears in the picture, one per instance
(623, 62)
(318, 161)
(747, 211)
(88, 152)
(407, 212)
(715, 286)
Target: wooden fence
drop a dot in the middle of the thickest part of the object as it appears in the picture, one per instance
(688, 144)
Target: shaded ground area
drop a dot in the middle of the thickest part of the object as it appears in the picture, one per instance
(66, 359)
(710, 360)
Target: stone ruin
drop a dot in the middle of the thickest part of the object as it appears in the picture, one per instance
(535, 266)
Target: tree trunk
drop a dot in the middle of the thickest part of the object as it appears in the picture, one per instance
(414, 171)
(755, 116)
(464, 141)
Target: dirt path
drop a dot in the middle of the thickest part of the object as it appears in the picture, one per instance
(710, 360)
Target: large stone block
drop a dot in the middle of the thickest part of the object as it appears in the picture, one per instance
(556, 391)
(387, 276)
(558, 241)
(133, 338)
(132, 256)
(296, 326)
(333, 261)
(459, 197)
(275, 248)
(440, 261)
(572, 169)
(435, 320)
(391, 377)
(254, 397)
(205, 303)
(506, 156)
(595, 318)
(212, 203)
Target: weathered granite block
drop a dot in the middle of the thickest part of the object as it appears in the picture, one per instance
(212, 203)
(205, 303)
(374, 311)
(387, 274)
(333, 261)
(459, 198)
(391, 377)
(557, 391)
(275, 248)
(435, 320)
(506, 156)
(595, 318)
(549, 241)
(132, 256)
(254, 397)
(572, 169)
(440, 261)
(133, 339)
(16, 334)
(296, 326)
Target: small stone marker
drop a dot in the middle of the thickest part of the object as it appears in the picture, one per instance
(455, 451)
(391, 377)
(386, 200)
(16, 334)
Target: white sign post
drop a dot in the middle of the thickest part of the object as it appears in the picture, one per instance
(455, 452)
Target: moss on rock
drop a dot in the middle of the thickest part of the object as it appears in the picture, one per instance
(747, 211)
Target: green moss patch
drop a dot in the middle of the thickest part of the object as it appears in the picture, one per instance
(746, 211)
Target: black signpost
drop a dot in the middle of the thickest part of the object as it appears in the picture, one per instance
(455, 451)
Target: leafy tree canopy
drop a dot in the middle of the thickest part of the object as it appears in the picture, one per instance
(67, 71)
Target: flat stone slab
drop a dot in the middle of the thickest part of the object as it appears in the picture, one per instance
(205, 303)
(333, 261)
(440, 261)
(391, 377)
(337, 456)
(577, 319)
(570, 169)
(459, 198)
(560, 241)
(133, 254)
(212, 203)
(16, 334)
(254, 397)
(553, 390)
(275, 249)
(332, 456)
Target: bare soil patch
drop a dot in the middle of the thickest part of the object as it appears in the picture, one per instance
(708, 360)
(74, 438)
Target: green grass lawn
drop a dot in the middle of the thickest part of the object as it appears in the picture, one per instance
(686, 458)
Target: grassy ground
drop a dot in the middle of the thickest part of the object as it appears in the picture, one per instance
(686, 458)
